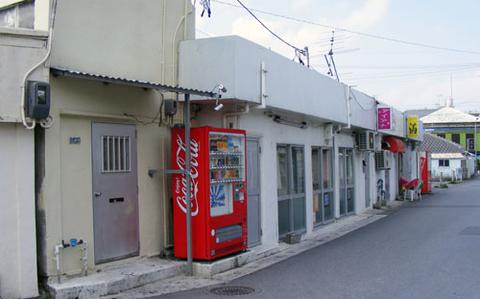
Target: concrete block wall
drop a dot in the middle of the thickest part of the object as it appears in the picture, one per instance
(18, 259)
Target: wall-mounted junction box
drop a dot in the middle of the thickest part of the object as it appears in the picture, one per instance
(37, 100)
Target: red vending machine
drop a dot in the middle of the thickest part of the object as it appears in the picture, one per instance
(218, 192)
(426, 173)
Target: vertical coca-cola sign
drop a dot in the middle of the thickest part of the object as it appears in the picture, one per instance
(181, 181)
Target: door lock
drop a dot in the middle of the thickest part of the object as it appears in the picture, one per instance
(97, 194)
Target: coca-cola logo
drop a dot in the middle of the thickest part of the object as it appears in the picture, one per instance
(181, 181)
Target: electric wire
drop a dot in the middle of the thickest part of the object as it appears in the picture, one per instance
(365, 34)
(432, 66)
(269, 30)
(400, 75)
(203, 32)
(360, 104)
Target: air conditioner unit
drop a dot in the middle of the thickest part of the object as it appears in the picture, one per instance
(366, 141)
(381, 160)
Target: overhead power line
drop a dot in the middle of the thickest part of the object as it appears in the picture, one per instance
(366, 34)
(266, 27)
(412, 74)
(419, 66)
(298, 52)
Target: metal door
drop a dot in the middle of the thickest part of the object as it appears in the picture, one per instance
(115, 191)
(253, 199)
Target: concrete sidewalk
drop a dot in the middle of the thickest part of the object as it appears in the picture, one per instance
(225, 270)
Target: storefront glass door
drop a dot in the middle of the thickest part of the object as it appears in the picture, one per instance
(322, 174)
(291, 189)
(347, 200)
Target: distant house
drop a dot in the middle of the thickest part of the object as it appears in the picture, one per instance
(453, 125)
(448, 159)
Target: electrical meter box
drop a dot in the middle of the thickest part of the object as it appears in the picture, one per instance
(37, 99)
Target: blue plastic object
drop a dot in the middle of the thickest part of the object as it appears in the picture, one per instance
(73, 242)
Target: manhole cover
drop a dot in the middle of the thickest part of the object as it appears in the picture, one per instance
(232, 291)
(471, 231)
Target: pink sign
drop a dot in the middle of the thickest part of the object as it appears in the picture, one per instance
(384, 118)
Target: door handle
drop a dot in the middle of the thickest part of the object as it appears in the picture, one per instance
(97, 194)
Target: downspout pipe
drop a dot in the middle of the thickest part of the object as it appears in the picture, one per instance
(348, 100)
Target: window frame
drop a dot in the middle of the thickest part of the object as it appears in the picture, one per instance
(322, 190)
(443, 163)
(456, 135)
(291, 196)
(347, 186)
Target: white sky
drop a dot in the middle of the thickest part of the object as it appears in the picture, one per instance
(405, 76)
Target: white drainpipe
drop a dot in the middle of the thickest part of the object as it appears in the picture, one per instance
(348, 100)
(57, 260)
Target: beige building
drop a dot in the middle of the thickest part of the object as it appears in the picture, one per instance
(108, 132)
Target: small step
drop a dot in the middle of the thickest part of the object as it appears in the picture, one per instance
(115, 279)
(208, 269)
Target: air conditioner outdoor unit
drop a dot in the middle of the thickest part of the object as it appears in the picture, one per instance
(381, 160)
(366, 141)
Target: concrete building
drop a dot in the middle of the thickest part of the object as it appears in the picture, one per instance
(454, 125)
(449, 161)
(315, 142)
(305, 130)
(105, 69)
(20, 50)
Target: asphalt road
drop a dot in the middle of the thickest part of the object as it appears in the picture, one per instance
(427, 249)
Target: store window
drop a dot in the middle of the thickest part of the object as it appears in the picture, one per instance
(291, 189)
(470, 142)
(20, 15)
(456, 138)
(322, 174)
(444, 163)
(347, 200)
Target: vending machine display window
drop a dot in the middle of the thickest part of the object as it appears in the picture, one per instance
(226, 169)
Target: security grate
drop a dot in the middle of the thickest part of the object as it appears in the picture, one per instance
(232, 291)
(116, 154)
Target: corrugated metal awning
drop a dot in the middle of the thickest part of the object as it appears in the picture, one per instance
(130, 82)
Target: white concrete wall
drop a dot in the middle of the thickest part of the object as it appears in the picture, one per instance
(20, 50)
(271, 134)
(236, 63)
(18, 259)
(42, 10)
(445, 171)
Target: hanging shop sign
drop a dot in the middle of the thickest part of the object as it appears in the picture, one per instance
(412, 126)
(384, 118)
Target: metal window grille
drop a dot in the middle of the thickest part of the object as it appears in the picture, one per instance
(116, 154)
